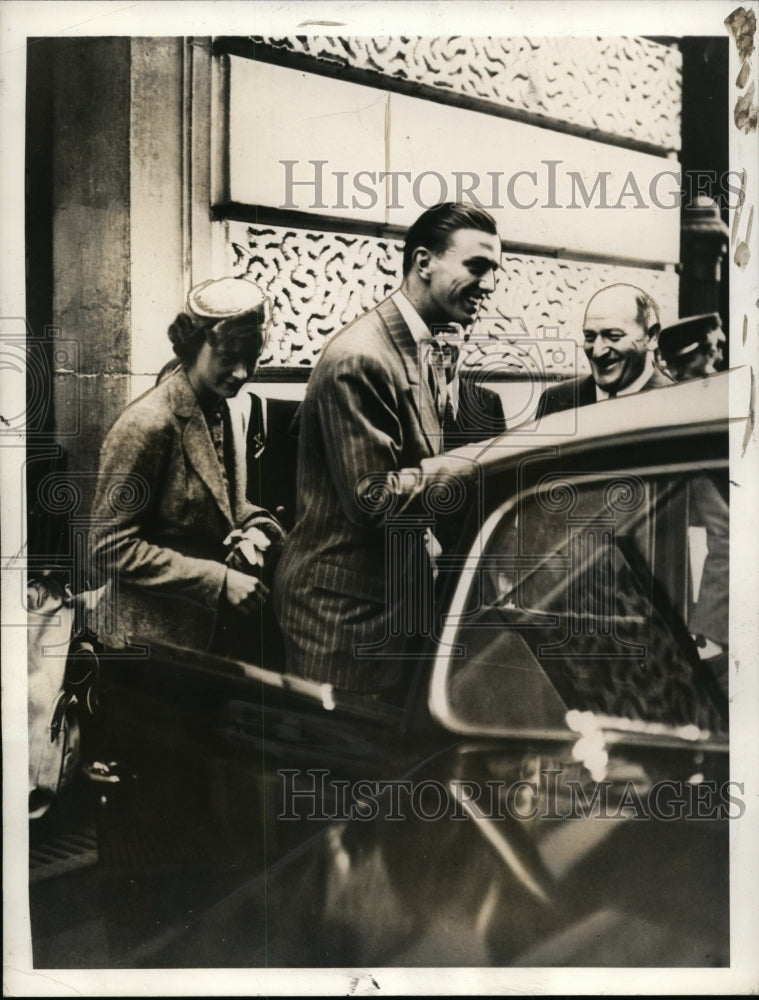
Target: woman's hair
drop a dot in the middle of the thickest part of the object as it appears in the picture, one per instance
(187, 337)
(235, 331)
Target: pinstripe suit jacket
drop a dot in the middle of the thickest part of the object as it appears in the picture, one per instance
(366, 411)
(160, 516)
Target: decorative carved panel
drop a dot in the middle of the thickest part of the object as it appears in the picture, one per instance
(620, 86)
(317, 282)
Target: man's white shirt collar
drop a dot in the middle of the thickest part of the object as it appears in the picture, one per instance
(420, 332)
(419, 329)
(636, 386)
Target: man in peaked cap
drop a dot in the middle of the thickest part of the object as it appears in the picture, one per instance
(693, 346)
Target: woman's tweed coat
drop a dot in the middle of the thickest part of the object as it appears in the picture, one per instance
(160, 517)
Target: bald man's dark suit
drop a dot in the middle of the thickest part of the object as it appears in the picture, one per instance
(581, 391)
(366, 412)
(480, 414)
(272, 452)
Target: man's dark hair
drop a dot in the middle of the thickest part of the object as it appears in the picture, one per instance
(433, 228)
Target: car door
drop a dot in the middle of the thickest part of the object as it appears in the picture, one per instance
(574, 632)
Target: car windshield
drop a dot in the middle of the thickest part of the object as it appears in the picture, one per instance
(597, 596)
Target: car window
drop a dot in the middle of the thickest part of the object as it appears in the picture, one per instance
(596, 595)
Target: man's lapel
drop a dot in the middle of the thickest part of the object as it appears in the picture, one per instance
(586, 391)
(197, 444)
(411, 357)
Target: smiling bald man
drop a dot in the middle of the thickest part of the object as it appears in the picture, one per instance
(620, 335)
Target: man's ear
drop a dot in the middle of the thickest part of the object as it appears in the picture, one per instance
(420, 261)
(653, 336)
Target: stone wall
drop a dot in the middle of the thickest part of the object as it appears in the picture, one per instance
(593, 104)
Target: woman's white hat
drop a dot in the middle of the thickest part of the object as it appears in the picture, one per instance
(227, 298)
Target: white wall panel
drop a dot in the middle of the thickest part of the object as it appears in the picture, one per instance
(546, 188)
(280, 114)
(529, 179)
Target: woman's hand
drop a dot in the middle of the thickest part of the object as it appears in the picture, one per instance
(256, 546)
(247, 548)
(244, 593)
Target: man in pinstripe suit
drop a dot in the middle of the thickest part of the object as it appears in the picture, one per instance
(370, 434)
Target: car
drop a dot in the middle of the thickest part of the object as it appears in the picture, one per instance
(551, 787)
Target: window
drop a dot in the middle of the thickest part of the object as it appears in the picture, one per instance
(593, 594)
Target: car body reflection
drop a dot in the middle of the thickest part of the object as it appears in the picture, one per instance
(552, 790)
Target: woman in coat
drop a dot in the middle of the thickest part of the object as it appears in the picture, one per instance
(172, 527)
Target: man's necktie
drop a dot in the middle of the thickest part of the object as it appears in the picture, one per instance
(449, 416)
(437, 380)
(256, 436)
(443, 358)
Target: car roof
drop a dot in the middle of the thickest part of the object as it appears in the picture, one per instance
(680, 409)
